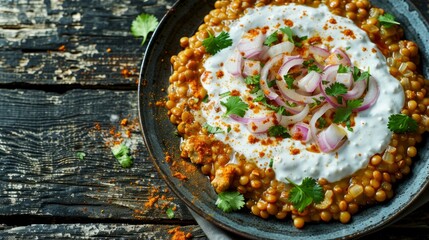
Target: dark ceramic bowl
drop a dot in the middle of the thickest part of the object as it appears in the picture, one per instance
(183, 20)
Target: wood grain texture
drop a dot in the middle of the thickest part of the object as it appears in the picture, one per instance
(99, 231)
(33, 34)
(40, 133)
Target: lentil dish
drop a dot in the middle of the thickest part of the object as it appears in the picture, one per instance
(265, 195)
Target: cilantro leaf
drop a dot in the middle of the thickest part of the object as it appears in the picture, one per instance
(278, 131)
(211, 129)
(122, 154)
(289, 80)
(359, 75)
(343, 69)
(387, 20)
(401, 123)
(234, 105)
(143, 25)
(272, 38)
(230, 201)
(80, 155)
(342, 114)
(170, 213)
(336, 89)
(321, 123)
(293, 38)
(271, 163)
(214, 44)
(252, 80)
(315, 68)
(205, 99)
(271, 83)
(309, 191)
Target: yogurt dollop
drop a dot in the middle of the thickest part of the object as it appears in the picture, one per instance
(370, 134)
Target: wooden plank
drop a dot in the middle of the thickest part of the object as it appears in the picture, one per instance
(40, 133)
(72, 42)
(79, 231)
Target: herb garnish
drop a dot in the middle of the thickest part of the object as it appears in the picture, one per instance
(170, 213)
(214, 44)
(289, 81)
(234, 105)
(143, 25)
(211, 129)
(321, 123)
(122, 154)
(252, 80)
(343, 69)
(272, 38)
(225, 94)
(387, 20)
(80, 155)
(303, 195)
(342, 114)
(401, 123)
(271, 163)
(230, 201)
(293, 38)
(278, 131)
(336, 89)
(359, 75)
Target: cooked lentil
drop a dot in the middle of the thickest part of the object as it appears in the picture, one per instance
(265, 195)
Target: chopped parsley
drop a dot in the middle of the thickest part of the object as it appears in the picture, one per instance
(289, 81)
(211, 129)
(122, 154)
(336, 89)
(321, 123)
(401, 123)
(308, 192)
(309, 64)
(214, 44)
(272, 38)
(143, 25)
(278, 131)
(234, 105)
(230, 201)
(271, 163)
(205, 99)
(387, 20)
(271, 83)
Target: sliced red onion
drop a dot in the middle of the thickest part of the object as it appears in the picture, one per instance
(338, 57)
(331, 138)
(357, 90)
(288, 63)
(258, 124)
(301, 131)
(251, 47)
(322, 110)
(251, 67)
(246, 120)
(264, 77)
(281, 48)
(371, 96)
(331, 100)
(293, 96)
(320, 54)
(310, 82)
(234, 64)
(287, 120)
(345, 78)
(330, 72)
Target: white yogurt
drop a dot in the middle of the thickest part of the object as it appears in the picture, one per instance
(370, 135)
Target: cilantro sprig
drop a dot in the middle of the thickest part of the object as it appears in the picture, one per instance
(297, 41)
(234, 105)
(211, 129)
(359, 75)
(170, 213)
(230, 201)
(272, 38)
(336, 89)
(143, 25)
(308, 192)
(252, 80)
(278, 131)
(342, 114)
(123, 155)
(289, 81)
(387, 20)
(401, 123)
(214, 44)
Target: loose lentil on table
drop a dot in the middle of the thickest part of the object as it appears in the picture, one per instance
(265, 196)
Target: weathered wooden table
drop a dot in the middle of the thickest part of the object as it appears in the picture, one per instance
(68, 78)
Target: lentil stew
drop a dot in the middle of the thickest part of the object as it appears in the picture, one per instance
(344, 206)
